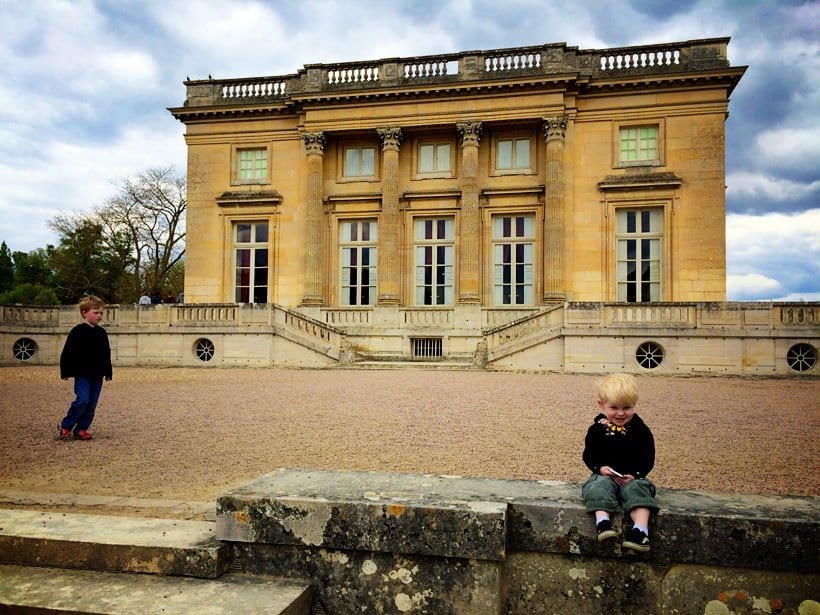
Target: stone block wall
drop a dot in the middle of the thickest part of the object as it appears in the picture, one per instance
(385, 543)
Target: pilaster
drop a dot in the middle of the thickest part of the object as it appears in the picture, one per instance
(554, 210)
(470, 244)
(390, 223)
(314, 144)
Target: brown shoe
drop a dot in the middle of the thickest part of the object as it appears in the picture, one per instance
(83, 435)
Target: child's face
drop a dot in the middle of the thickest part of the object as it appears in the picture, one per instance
(616, 413)
(93, 317)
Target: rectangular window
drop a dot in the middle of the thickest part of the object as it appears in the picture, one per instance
(513, 248)
(639, 144)
(434, 158)
(251, 254)
(252, 165)
(512, 154)
(639, 241)
(360, 161)
(434, 246)
(358, 240)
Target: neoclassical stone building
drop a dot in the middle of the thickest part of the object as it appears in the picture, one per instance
(542, 208)
(510, 178)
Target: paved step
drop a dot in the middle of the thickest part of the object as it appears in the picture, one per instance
(51, 590)
(112, 543)
(422, 365)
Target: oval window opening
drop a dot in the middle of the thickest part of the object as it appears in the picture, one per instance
(802, 357)
(24, 349)
(204, 349)
(649, 355)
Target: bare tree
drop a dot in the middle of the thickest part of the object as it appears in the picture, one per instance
(144, 224)
(150, 212)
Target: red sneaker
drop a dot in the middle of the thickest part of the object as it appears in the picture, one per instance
(83, 435)
(65, 434)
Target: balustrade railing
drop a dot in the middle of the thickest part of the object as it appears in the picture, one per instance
(650, 315)
(426, 317)
(465, 66)
(797, 315)
(512, 60)
(346, 317)
(34, 315)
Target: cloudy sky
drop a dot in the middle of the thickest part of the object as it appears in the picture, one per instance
(85, 85)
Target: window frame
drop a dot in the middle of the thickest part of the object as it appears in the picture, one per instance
(518, 135)
(659, 160)
(372, 244)
(640, 236)
(436, 173)
(252, 246)
(532, 241)
(446, 242)
(342, 149)
(236, 151)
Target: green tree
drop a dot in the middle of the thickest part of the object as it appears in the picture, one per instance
(33, 267)
(84, 263)
(6, 269)
(30, 294)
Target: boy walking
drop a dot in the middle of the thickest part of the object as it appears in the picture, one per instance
(86, 357)
(620, 451)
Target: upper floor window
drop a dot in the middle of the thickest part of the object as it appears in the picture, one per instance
(251, 259)
(359, 161)
(513, 252)
(358, 241)
(434, 158)
(639, 145)
(252, 164)
(639, 235)
(513, 154)
(434, 246)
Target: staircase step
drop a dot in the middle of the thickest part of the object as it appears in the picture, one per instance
(423, 365)
(47, 590)
(111, 543)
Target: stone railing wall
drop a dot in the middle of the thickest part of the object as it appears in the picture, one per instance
(462, 67)
(374, 542)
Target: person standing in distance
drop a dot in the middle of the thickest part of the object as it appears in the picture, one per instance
(86, 357)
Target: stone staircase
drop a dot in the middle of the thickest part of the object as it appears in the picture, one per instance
(85, 563)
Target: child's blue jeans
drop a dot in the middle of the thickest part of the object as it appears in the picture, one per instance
(81, 411)
(603, 493)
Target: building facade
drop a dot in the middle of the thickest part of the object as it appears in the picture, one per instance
(511, 179)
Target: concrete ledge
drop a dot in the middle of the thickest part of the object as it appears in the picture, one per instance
(39, 590)
(113, 544)
(376, 542)
(363, 511)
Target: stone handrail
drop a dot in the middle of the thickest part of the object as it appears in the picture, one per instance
(30, 315)
(426, 317)
(628, 314)
(318, 335)
(519, 333)
(469, 66)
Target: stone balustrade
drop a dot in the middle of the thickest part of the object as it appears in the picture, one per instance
(471, 66)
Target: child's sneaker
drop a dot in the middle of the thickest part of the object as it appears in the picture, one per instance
(64, 434)
(83, 435)
(605, 531)
(637, 540)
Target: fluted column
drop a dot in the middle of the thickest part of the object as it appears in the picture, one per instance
(390, 223)
(314, 144)
(470, 242)
(554, 283)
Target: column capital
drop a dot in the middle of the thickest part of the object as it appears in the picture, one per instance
(313, 142)
(390, 136)
(555, 127)
(470, 132)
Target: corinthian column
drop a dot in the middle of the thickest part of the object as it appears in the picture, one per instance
(469, 245)
(314, 144)
(554, 283)
(390, 224)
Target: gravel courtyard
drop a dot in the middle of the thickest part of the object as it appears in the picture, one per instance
(188, 433)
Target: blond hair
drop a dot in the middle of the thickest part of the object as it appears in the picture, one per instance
(618, 389)
(90, 302)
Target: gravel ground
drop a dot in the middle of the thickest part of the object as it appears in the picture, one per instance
(192, 433)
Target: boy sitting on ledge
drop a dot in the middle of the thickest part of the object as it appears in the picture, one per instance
(620, 451)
